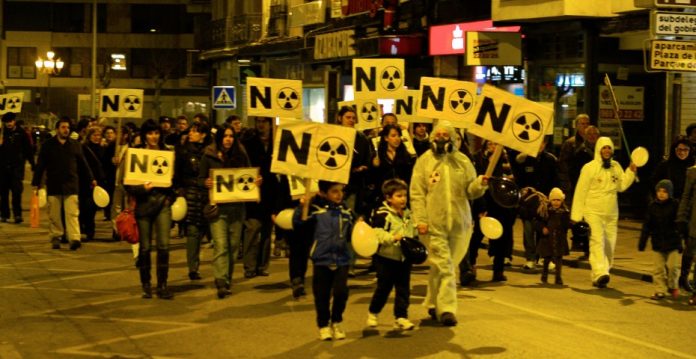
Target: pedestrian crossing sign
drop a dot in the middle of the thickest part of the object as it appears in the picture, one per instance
(224, 97)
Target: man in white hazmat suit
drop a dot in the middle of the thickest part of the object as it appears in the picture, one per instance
(596, 201)
(443, 182)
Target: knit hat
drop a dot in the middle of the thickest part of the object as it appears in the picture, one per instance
(556, 193)
(667, 185)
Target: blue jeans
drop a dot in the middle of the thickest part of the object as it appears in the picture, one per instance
(530, 240)
(226, 231)
(159, 225)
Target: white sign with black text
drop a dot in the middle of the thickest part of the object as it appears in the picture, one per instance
(232, 185)
(154, 166)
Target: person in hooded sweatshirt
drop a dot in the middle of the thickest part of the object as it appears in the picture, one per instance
(443, 182)
(596, 201)
(666, 242)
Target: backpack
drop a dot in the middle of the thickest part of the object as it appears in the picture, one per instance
(127, 226)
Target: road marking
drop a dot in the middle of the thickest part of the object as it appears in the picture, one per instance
(65, 279)
(597, 330)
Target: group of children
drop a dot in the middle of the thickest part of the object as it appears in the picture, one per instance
(333, 223)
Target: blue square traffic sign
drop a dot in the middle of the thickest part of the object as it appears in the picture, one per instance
(223, 97)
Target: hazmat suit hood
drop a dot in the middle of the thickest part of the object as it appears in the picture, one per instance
(601, 142)
(441, 147)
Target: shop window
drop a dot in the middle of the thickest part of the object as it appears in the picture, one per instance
(20, 62)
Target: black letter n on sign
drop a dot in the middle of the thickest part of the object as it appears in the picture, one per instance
(287, 141)
(488, 110)
(264, 98)
(106, 101)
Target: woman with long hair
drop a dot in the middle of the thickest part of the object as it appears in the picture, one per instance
(391, 161)
(94, 152)
(227, 219)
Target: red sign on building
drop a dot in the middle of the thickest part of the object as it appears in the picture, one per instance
(449, 39)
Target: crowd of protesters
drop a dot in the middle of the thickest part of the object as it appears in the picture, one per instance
(446, 193)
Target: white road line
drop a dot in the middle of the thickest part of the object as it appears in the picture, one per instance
(63, 290)
(47, 269)
(65, 279)
(52, 311)
(639, 342)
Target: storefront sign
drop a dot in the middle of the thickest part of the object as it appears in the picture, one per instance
(449, 39)
(493, 48)
(334, 45)
(673, 23)
(630, 99)
(672, 55)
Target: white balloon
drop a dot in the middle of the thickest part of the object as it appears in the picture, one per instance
(42, 198)
(284, 218)
(364, 239)
(491, 227)
(179, 209)
(100, 196)
(640, 156)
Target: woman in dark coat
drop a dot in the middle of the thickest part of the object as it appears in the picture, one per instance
(188, 158)
(94, 152)
(392, 160)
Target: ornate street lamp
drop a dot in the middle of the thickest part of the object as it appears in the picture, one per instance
(50, 66)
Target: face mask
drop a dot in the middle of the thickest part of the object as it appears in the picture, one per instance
(441, 146)
(606, 163)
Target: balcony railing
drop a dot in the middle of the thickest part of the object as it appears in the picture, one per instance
(230, 31)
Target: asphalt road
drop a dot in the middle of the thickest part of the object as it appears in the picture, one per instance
(63, 304)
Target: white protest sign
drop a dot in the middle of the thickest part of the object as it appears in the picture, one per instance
(313, 150)
(368, 115)
(447, 100)
(153, 166)
(378, 78)
(511, 120)
(125, 103)
(234, 185)
(274, 97)
(297, 187)
(11, 102)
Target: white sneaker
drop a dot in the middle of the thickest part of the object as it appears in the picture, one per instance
(552, 266)
(372, 320)
(338, 332)
(403, 324)
(529, 265)
(325, 333)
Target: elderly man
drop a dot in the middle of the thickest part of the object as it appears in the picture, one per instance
(443, 182)
(567, 156)
(596, 202)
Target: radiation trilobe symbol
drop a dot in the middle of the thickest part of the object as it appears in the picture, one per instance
(332, 153)
(160, 166)
(132, 103)
(434, 177)
(245, 183)
(461, 101)
(391, 78)
(288, 99)
(527, 127)
(369, 111)
(13, 102)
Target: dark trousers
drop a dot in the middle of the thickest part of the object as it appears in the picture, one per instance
(300, 243)
(326, 283)
(392, 274)
(88, 209)
(10, 182)
(257, 244)
(468, 263)
(558, 261)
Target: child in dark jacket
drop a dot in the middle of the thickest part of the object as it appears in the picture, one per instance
(392, 222)
(333, 224)
(553, 227)
(666, 242)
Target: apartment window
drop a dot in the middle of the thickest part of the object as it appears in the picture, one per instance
(27, 16)
(20, 62)
(165, 19)
(150, 63)
(49, 16)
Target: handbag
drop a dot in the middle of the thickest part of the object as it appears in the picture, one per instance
(34, 211)
(126, 225)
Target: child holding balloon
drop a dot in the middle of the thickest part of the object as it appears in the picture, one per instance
(553, 225)
(392, 222)
(333, 223)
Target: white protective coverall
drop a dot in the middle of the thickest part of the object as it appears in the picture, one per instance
(596, 201)
(441, 187)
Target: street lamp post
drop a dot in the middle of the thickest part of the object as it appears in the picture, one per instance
(50, 66)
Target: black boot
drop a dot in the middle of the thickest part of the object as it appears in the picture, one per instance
(147, 291)
(498, 276)
(559, 267)
(685, 269)
(297, 287)
(545, 271)
(163, 291)
(143, 264)
(223, 288)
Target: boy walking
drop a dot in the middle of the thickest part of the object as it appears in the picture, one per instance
(392, 222)
(333, 224)
(666, 242)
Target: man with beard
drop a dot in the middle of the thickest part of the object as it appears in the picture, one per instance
(62, 160)
(596, 202)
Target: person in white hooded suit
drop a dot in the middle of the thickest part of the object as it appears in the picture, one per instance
(443, 182)
(595, 200)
